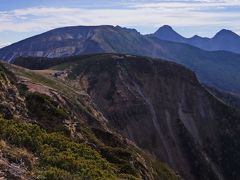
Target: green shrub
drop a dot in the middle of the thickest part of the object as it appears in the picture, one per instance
(2, 74)
(46, 111)
(54, 174)
(58, 155)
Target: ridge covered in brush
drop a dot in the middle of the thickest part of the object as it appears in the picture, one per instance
(52, 130)
(158, 105)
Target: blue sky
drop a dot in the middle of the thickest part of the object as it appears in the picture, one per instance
(20, 19)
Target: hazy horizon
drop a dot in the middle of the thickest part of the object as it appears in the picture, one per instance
(22, 19)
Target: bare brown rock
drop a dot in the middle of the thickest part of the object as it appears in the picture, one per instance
(163, 108)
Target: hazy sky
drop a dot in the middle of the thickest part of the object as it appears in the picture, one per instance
(23, 18)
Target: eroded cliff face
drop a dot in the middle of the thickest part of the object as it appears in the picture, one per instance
(121, 99)
(164, 109)
(32, 97)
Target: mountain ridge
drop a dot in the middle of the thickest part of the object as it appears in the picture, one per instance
(213, 68)
(64, 133)
(125, 108)
(182, 122)
(223, 40)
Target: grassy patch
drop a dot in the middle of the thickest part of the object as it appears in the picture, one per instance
(46, 80)
(118, 154)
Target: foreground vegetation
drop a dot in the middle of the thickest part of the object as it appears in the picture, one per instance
(59, 157)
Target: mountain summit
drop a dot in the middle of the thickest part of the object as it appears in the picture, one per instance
(77, 40)
(224, 40)
(167, 33)
(226, 33)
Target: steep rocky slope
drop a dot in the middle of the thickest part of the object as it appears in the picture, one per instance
(50, 130)
(163, 108)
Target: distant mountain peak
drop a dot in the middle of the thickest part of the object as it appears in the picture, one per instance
(226, 32)
(223, 40)
(166, 32)
(166, 28)
(196, 37)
